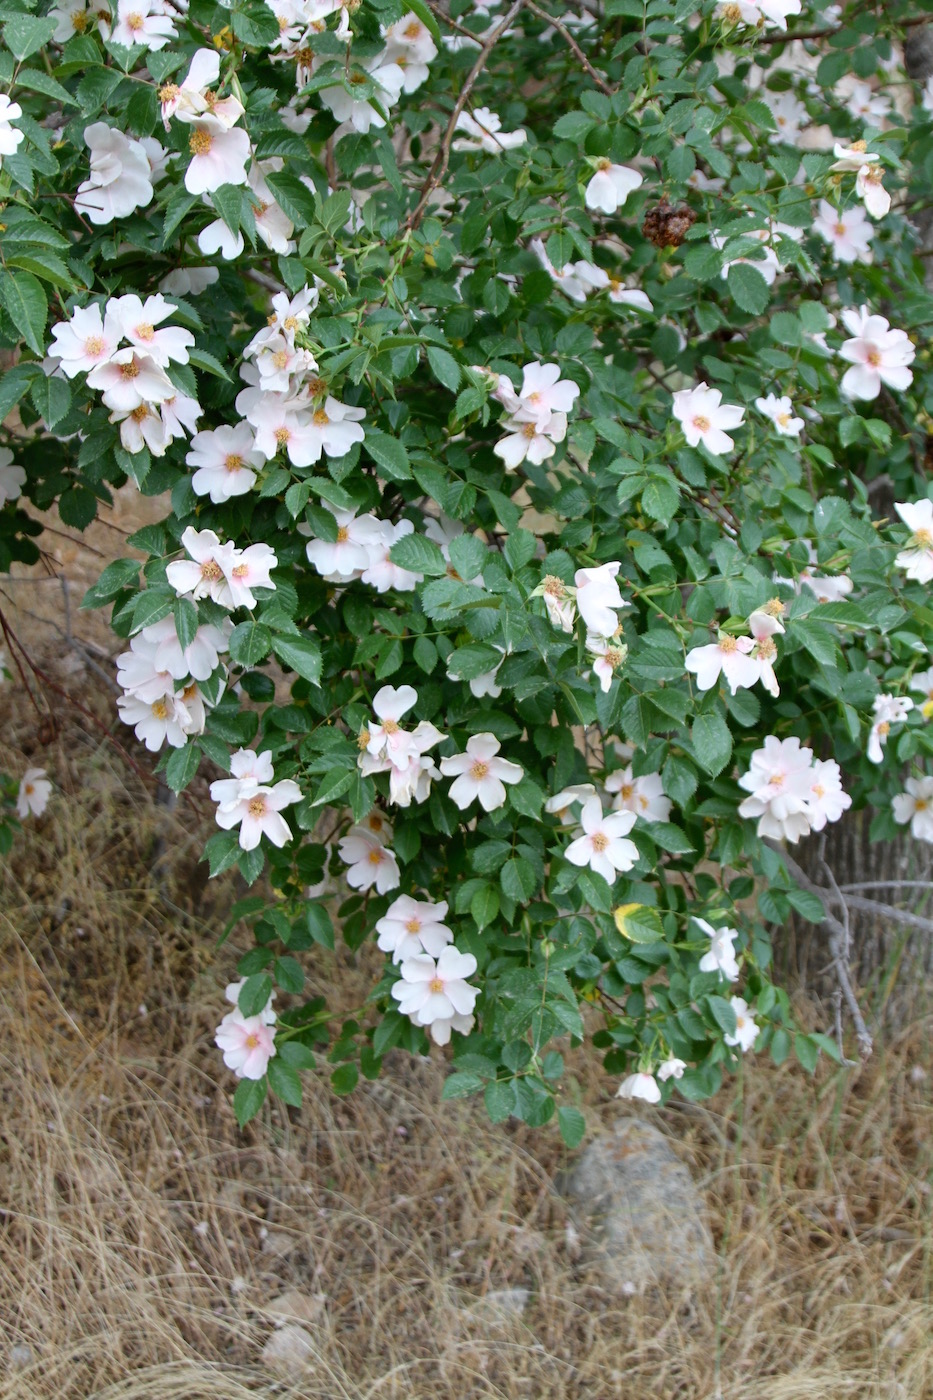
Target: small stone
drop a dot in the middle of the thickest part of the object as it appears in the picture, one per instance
(289, 1351)
(20, 1356)
(293, 1306)
(641, 1218)
(510, 1302)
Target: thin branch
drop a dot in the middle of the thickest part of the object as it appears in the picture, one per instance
(872, 906)
(439, 164)
(837, 942)
(782, 38)
(46, 681)
(438, 13)
(888, 885)
(572, 44)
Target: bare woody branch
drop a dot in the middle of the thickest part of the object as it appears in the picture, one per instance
(572, 44)
(441, 159)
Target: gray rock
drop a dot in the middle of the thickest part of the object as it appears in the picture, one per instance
(289, 1351)
(641, 1219)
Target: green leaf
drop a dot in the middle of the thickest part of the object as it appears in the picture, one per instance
(182, 766)
(518, 880)
(444, 368)
(334, 785)
(13, 385)
(461, 1085)
(302, 654)
(807, 1051)
(297, 1055)
(151, 606)
(34, 81)
(249, 1098)
(573, 126)
(185, 615)
(250, 642)
(419, 555)
(122, 573)
(24, 35)
(389, 455)
(748, 287)
(289, 974)
(255, 993)
(528, 798)
(499, 1098)
(285, 1082)
(639, 923)
(344, 1079)
(484, 906)
(319, 924)
(294, 198)
(202, 359)
(722, 1014)
(712, 743)
(572, 1125)
(52, 399)
(221, 851)
(25, 302)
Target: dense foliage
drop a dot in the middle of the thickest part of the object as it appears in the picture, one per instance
(529, 429)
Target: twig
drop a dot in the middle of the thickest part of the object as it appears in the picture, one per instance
(47, 681)
(888, 885)
(847, 943)
(438, 13)
(781, 38)
(439, 164)
(901, 916)
(572, 44)
(837, 942)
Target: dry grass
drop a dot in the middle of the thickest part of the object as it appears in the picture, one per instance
(142, 1238)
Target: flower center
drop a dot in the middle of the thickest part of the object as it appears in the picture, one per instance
(141, 413)
(884, 729)
(79, 21)
(94, 345)
(727, 644)
(923, 538)
(252, 1041)
(29, 790)
(413, 925)
(412, 30)
(160, 709)
(478, 771)
(529, 431)
(211, 570)
(701, 424)
(626, 791)
(316, 387)
(766, 649)
(920, 803)
(435, 986)
(819, 790)
(134, 22)
(144, 331)
(375, 855)
(553, 586)
(169, 93)
(200, 142)
(390, 726)
(841, 230)
(257, 806)
(783, 419)
(614, 657)
(290, 323)
(280, 359)
(777, 779)
(241, 571)
(873, 357)
(600, 842)
(859, 146)
(233, 461)
(320, 418)
(343, 534)
(282, 436)
(130, 370)
(604, 164)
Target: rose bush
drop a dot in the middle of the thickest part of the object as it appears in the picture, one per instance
(529, 390)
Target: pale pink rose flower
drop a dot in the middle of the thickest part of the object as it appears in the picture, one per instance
(33, 794)
(479, 774)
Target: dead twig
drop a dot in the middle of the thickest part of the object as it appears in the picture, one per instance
(838, 939)
(441, 159)
(574, 47)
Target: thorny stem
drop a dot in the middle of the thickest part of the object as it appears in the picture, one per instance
(439, 164)
(572, 44)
